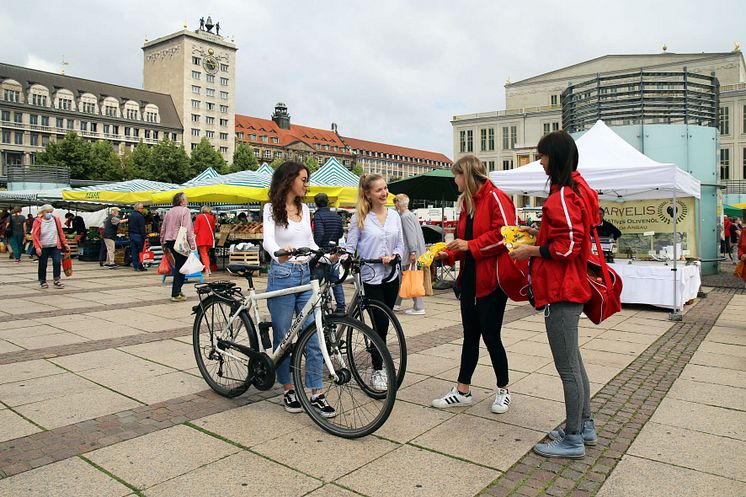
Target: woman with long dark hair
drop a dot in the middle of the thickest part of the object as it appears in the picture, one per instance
(559, 283)
(375, 232)
(484, 210)
(287, 225)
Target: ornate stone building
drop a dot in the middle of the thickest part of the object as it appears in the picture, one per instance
(198, 69)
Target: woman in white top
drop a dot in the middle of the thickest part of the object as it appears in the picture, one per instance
(287, 225)
(376, 232)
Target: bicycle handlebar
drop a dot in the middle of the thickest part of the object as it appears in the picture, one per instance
(319, 253)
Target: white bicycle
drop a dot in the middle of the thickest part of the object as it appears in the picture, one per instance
(232, 356)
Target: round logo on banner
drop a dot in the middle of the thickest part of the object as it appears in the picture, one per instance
(666, 211)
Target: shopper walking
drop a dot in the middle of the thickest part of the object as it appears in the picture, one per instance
(375, 231)
(287, 225)
(16, 233)
(136, 226)
(111, 226)
(484, 210)
(176, 218)
(327, 230)
(559, 281)
(204, 230)
(414, 246)
(49, 241)
(742, 252)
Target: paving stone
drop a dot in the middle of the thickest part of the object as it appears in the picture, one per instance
(14, 426)
(699, 417)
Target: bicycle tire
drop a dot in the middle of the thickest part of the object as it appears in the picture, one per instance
(358, 412)
(225, 375)
(396, 342)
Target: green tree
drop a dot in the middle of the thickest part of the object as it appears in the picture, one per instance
(170, 163)
(204, 155)
(277, 163)
(106, 163)
(357, 169)
(143, 166)
(244, 158)
(311, 164)
(72, 151)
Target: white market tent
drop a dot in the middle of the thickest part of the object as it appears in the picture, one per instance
(616, 170)
(265, 169)
(332, 173)
(201, 178)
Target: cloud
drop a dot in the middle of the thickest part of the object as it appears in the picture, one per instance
(35, 62)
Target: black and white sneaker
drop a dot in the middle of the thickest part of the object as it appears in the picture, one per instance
(454, 398)
(320, 404)
(291, 403)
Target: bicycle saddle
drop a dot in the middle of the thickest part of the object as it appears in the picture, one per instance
(242, 268)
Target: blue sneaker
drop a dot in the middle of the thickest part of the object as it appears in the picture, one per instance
(570, 447)
(589, 433)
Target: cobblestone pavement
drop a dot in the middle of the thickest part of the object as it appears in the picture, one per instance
(100, 395)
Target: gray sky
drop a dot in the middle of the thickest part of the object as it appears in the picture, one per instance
(383, 70)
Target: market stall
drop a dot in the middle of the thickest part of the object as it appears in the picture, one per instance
(619, 173)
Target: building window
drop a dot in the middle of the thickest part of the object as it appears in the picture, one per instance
(173, 137)
(210, 78)
(59, 122)
(18, 117)
(546, 128)
(196, 74)
(195, 118)
(195, 132)
(194, 145)
(491, 139)
(724, 121)
(224, 67)
(210, 120)
(136, 132)
(223, 136)
(555, 126)
(40, 100)
(34, 139)
(224, 95)
(223, 108)
(210, 134)
(70, 124)
(554, 99)
(506, 138)
(44, 140)
(469, 140)
(462, 141)
(83, 125)
(256, 152)
(12, 95)
(94, 127)
(483, 139)
(45, 120)
(513, 136)
(196, 89)
(210, 92)
(195, 104)
(89, 108)
(64, 103)
(224, 81)
(6, 136)
(210, 106)
(6, 116)
(267, 153)
(724, 163)
(19, 138)
(223, 150)
(34, 119)
(127, 131)
(107, 129)
(132, 114)
(276, 140)
(224, 122)
(151, 117)
(491, 165)
(196, 61)
(110, 111)
(507, 165)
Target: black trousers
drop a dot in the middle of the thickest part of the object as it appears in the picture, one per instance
(386, 293)
(483, 317)
(179, 260)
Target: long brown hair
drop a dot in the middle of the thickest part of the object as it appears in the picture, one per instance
(282, 181)
(363, 204)
(474, 174)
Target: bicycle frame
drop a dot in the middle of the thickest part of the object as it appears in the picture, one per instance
(251, 301)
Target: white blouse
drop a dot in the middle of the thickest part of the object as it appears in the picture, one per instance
(297, 234)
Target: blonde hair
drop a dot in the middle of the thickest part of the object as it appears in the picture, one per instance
(474, 174)
(207, 208)
(402, 199)
(363, 204)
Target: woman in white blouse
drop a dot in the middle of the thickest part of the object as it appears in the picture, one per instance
(376, 232)
(287, 225)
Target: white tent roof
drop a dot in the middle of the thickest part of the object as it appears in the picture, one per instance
(611, 166)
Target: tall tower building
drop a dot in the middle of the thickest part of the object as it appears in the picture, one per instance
(198, 69)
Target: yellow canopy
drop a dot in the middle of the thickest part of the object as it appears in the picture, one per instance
(742, 205)
(224, 194)
(105, 197)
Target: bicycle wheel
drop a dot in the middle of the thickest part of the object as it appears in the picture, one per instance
(365, 312)
(226, 370)
(359, 410)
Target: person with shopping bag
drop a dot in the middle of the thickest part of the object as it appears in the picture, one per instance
(414, 246)
(137, 235)
(49, 242)
(16, 232)
(485, 209)
(204, 231)
(177, 239)
(559, 285)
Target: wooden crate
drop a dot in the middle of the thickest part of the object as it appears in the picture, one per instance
(73, 247)
(248, 257)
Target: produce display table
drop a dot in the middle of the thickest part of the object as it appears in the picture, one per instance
(649, 282)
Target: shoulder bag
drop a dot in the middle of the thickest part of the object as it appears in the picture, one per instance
(606, 287)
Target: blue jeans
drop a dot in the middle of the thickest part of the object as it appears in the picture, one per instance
(323, 271)
(137, 242)
(56, 255)
(282, 309)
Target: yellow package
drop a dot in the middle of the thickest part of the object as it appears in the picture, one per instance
(514, 236)
(427, 258)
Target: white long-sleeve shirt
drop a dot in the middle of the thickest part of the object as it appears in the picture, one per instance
(297, 234)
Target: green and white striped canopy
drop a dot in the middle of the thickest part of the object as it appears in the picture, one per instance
(201, 179)
(133, 185)
(265, 169)
(332, 173)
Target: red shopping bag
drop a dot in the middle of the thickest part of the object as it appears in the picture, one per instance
(67, 263)
(164, 267)
(606, 287)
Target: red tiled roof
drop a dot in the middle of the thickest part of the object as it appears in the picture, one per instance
(369, 146)
(310, 136)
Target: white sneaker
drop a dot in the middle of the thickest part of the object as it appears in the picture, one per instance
(502, 401)
(415, 312)
(454, 398)
(396, 308)
(380, 380)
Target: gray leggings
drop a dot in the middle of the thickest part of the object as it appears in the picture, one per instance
(561, 320)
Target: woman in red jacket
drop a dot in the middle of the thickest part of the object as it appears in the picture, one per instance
(742, 251)
(559, 283)
(204, 232)
(484, 210)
